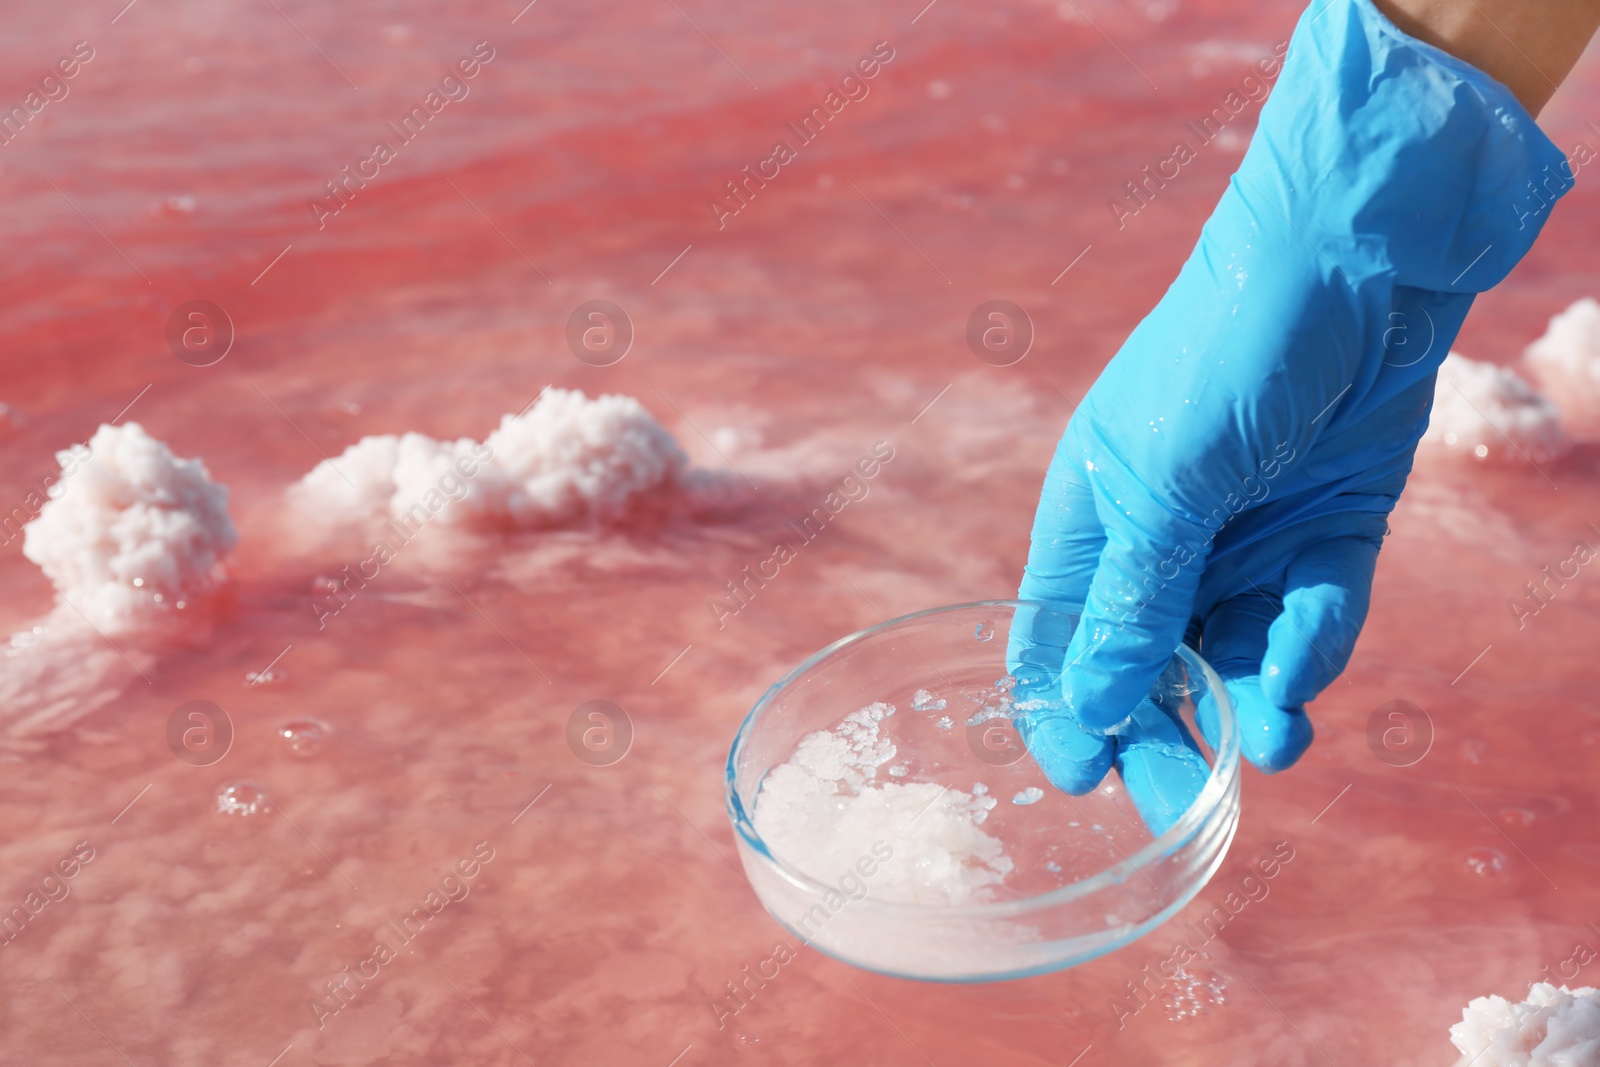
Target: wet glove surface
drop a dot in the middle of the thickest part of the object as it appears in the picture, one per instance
(1229, 476)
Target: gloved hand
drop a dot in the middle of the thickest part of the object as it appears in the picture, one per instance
(1229, 476)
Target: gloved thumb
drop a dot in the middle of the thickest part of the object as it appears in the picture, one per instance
(1134, 617)
(1327, 591)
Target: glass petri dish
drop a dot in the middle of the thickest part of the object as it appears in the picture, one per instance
(1074, 877)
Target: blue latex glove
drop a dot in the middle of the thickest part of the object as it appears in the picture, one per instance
(1229, 476)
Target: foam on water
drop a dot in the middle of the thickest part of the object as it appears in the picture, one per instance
(1566, 364)
(824, 809)
(1482, 411)
(1554, 1027)
(242, 799)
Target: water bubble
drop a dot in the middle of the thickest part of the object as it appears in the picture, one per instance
(984, 631)
(305, 736)
(1006, 684)
(242, 798)
(269, 676)
(1053, 867)
(1193, 993)
(1031, 795)
(899, 770)
(1516, 817)
(1486, 861)
(922, 700)
(945, 722)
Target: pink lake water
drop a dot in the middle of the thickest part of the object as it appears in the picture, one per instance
(827, 315)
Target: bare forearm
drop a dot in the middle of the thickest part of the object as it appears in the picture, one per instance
(1528, 45)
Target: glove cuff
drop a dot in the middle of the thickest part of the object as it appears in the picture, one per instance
(1395, 158)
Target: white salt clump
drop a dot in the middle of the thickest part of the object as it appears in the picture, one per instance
(572, 457)
(382, 476)
(922, 700)
(1031, 795)
(1481, 410)
(568, 459)
(823, 810)
(987, 712)
(134, 529)
(130, 536)
(1566, 364)
(1554, 1027)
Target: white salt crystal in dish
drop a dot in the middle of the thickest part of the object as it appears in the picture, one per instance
(1481, 411)
(1554, 1027)
(823, 809)
(1566, 364)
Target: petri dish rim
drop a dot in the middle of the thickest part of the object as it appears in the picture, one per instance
(1224, 771)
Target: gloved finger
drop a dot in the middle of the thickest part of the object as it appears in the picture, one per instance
(1074, 759)
(1137, 607)
(1066, 541)
(1234, 640)
(1160, 764)
(1327, 591)
(1067, 537)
